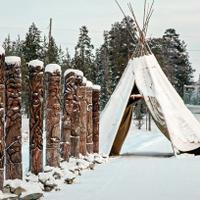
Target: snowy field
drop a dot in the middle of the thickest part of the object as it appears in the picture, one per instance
(146, 169)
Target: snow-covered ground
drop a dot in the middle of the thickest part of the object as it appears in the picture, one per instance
(147, 169)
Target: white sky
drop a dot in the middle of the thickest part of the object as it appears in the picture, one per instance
(98, 15)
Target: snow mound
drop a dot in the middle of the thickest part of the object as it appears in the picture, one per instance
(2, 51)
(36, 63)
(76, 71)
(96, 87)
(12, 60)
(89, 84)
(51, 68)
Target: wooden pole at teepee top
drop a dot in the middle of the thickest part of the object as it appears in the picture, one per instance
(2, 111)
(36, 74)
(13, 117)
(95, 116)
(81, 93)
(53, 109)
(89, 138)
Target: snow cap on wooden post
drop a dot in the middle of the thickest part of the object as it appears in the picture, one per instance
(89, 138)
(13, 117)
(81, 93)
(2, 111)
(53, 109)
(95, 116)
(36, 68)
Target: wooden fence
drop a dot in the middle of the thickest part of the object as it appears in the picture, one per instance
(71, 125)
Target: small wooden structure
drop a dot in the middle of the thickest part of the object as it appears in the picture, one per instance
(95, 116)
(36, 74)
(2, 110)
(53, 110)
(13, 117)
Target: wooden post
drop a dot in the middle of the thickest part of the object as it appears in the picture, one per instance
(53, 109)
(81, 93)
(13, 117)
(2, 111)
(71, 114)
(95, 116)
(36, 74)
(75, 117)
(89, 139)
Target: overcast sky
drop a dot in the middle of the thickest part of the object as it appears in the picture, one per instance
(98, 15)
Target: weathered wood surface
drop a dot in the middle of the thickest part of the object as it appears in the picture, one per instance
(53, 110)
(81, 93)
(75, 119)
(71, 116)
(69, 89)
(95, 116)
(2, 111)
(36, 116)
(89, 138)
(13, 117)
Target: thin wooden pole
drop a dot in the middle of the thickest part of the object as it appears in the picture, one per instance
(13, 118)
(53, 110)
(36, 74)
(2, 111)
(89, 140)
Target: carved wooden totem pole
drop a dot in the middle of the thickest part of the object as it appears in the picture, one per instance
(75, 117)
(69, 87)
(95, 116)
(71, 114)
(36, 74)
(89, 138)
(53, 109)
(81, 93)
(2, 110)
(13, 117)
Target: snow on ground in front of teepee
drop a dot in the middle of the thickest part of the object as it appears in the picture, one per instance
(147, 169)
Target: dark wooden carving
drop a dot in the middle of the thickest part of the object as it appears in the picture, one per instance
(81, 93)
(2, 110)
(13, 118)
(36, 116)
(89, 138)
(53, 110)
(95, 116)
(71, 116)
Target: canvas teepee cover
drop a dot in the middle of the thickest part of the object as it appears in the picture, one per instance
(170, 114)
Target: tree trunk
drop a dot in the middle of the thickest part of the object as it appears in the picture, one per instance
(81, 92)
(95, 116)
(53, 110)
(89, 139)
(13, 117)
(36, 115)
(2, 111)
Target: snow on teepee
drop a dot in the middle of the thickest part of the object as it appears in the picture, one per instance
(167, 108)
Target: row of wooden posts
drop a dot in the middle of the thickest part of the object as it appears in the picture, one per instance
(78, 132)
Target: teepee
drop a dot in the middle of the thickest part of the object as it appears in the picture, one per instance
(167, 108)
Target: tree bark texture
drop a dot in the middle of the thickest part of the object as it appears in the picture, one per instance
(89, 138)
(2, 111)
(95, 116)
(53, 109)
(81, 93)
(13, 119)
(36, 117)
